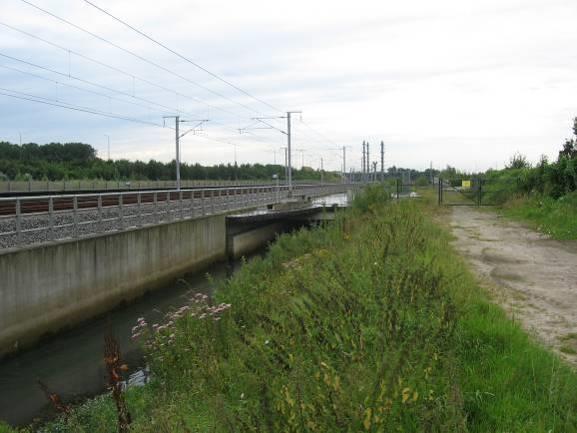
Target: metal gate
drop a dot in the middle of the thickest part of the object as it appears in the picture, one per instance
(468, 192)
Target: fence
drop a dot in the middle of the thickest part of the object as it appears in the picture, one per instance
(401, 189)
(117, 185)
(471, 192)
(27, 220)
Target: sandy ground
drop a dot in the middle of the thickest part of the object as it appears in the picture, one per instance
(532, 276)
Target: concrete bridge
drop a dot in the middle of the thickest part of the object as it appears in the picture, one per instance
(59, 267)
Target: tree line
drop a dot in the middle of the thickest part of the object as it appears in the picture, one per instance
(76, 161)
(549, 178)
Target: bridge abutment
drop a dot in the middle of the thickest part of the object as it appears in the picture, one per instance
(49, 287)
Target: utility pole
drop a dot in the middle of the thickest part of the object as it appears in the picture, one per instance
(289, 159)
(368, 163)
(289, 164)
(176, 126)
(288, 153)
(235, 164)
(382, 161)
(322, 171)
(344, 163)
(108, 137)
(363, 164)
(302, 151)
(285, 164)
(178, 136)
(374, 171)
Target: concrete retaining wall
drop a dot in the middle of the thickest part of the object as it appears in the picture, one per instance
(247, 242)
(48, 287)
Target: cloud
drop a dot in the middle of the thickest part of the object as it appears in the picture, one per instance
(454, 82)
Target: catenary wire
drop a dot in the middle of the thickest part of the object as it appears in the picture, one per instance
(114, 68)
(150, 38)
(40, 100)
(138, 56)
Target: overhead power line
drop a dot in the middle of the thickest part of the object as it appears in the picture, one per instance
(53, 103)
(82, 80)
(115, 69)
(104, 95)
(138, 56)
(324, 137)
(321, 139)
(82, 89)
(186, 59)
(267, 121)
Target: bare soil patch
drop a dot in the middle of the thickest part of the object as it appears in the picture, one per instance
(532, 276)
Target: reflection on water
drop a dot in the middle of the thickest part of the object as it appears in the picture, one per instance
(342, 199)
(71, 363)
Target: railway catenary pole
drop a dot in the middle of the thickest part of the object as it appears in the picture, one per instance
(285, 165)
(178, 136)
(289, 150)
(368, 164)
(344, 163)
(289, 164)
(288, 133)
(363, 163)
(382, 161)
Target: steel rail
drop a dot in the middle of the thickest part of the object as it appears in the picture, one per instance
(78, 215)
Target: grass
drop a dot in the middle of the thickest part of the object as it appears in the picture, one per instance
(369, 324)
(554, 217)
(568, 350)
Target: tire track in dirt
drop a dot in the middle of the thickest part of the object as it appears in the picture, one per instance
(533, 277)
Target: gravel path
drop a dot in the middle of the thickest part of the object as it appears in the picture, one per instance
(535, 278)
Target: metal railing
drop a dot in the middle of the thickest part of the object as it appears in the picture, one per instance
(13, 186)
(39, 219)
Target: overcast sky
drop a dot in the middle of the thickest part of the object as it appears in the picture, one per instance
(460, 82)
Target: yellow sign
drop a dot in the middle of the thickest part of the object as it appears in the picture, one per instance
(466, 184)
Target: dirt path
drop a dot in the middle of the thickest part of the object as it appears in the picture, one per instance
(534, 278)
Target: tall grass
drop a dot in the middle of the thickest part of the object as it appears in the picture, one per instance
(554, 217)
(370, 324)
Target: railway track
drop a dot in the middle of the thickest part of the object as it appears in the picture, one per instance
(45, 203)
(37, 219)
(40, 193)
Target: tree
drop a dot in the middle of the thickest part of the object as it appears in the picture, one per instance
(569, 150)
(518, 161)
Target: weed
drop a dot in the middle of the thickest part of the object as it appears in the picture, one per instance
(115, 368)
(368, 324)
(55, 400)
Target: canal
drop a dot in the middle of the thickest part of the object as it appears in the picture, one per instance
(71, 362)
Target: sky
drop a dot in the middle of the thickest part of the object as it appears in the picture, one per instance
(465, 83)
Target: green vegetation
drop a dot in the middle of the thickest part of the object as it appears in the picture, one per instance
(544, 195)
(57, 161)
(554, 217)
(371, 323)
